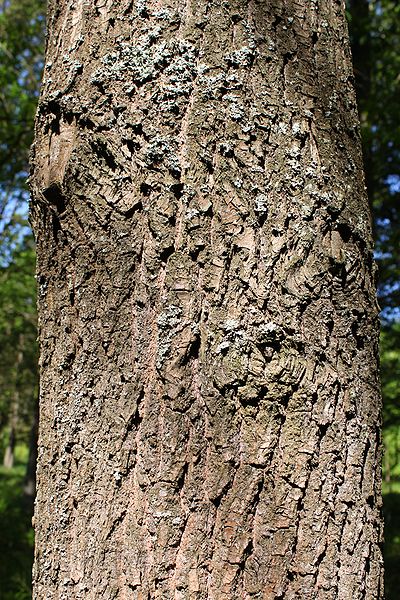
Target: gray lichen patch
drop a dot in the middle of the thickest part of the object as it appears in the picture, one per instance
(182, 69)
(232, 340)
(162, 150)
(137, 63)
(169, 318)
(261, 204)
(235, 106)
(141, 8)
(167, 324)
(242, 57)
(151, 57)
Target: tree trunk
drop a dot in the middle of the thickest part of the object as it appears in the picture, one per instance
(387, 463)
(9, 455)
(8, 460)
(210, 410)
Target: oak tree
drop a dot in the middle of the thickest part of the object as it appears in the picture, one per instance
(210, 409)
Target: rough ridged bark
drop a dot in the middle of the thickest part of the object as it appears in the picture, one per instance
(210, 408)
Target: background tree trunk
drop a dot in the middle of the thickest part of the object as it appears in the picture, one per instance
(210, 411)
(9, 454)
(8, 460)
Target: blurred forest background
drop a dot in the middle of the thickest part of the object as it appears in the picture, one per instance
(375, 35)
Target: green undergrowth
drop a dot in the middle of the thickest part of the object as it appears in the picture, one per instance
(391, 511)
(16, 533)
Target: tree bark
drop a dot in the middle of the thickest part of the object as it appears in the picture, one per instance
(210, 408)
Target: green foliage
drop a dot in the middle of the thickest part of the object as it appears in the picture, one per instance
(22, 26)
(390, 373)
(18, 347)
(375, 32)
(382, 107)
(21, 57)
(391, 512)
(16, 533)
